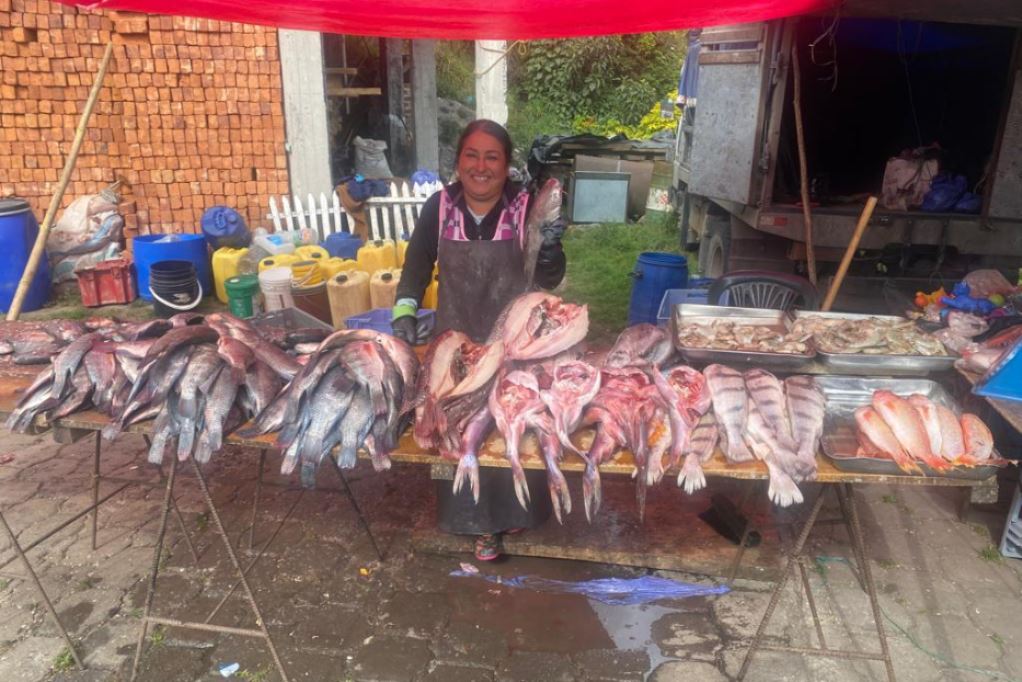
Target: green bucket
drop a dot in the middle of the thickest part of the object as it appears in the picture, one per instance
(241, 290)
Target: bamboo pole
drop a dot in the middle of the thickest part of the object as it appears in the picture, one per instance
(65, 177)
(803, 171)
(842, 270)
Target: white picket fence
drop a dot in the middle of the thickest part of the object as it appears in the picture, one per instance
(390, 217)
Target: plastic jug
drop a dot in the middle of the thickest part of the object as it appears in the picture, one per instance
(306, 273)
(275, 244)
(402, 247)
(283, 260)
(349, 295)
(429, 299)
(223, 226)
(383, 287)
(343, 244)
(334, 266)
(312, 252)
(377, 255)
(226, 264)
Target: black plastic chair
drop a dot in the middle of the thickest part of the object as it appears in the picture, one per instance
(764, 289)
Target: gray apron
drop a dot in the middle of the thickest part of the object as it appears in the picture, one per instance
(477, 280)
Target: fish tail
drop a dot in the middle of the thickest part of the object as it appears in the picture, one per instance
(591, 489)
(468, 472)
(782, 490)
(521, 485)
(691, 476)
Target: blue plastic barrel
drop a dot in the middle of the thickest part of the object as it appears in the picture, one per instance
(654, 274)
(151, 248)
(223, 226)
(18, 230)
(342, 245)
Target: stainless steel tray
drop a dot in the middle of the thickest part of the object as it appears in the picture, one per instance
(846, 394)
(870, 364)
(690, 313)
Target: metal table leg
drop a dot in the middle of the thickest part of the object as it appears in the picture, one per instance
(95, 487)
(255, 499)
(358, 510)
(42, 592)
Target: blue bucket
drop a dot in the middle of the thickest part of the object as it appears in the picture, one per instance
(152, 248)
(654, 274)
(18, 230)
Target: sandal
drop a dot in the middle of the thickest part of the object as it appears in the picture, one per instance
(486, 548)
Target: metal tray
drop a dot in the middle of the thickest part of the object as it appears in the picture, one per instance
(846, 394)
(690, 313)
(869, 364)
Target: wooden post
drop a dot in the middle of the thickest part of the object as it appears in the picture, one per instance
(65, 177)
(392, 69)
(427, 135)
(803, 171)
(842, 270)
(491, 80)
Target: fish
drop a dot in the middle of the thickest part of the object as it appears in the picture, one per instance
(979, 442)
(202, 369)
(767, 392)
(907, 427)
(762, 440)
(807, 407)
(513, 401)
(573, 385)
(435, 381)
(550, 446)
(467, 455)
(354, 427)
(731, 406)
(700, 448)
(952, 439)
(216, 406)
(544, 208)
(686, 398)
(877, 438)
(327, 407)
(640, 344)
(306, 335)
(65, 330)
(28, 407)
(927, 411)
(538, 325)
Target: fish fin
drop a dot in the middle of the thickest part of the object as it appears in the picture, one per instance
(782, 490)
(521, 485)
(691, 476)
(468, 472)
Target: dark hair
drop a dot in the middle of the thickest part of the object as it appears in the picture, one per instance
(491, 128)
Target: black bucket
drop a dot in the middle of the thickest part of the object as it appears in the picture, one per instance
(175, 287)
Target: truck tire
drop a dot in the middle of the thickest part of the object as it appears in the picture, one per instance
(715, 246)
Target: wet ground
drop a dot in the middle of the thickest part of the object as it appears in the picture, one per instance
(951, 604)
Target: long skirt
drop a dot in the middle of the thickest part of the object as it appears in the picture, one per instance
(498, 509)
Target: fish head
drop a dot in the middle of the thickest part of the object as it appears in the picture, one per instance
(235, 353)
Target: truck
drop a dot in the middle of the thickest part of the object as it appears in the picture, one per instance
(939, 84)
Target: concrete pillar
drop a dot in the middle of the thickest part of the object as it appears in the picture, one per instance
(308, 146)
(427, 131)
(491, 80)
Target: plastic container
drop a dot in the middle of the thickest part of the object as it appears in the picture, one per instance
(174, 286)
(334, 266)
(306, 273)
(377, 255)
(275, 283)
(430, 299)
(673, 297)
(343, 245)
(313, 300)
(243, 295)
(284, 260)
(402, 247)
(654, 274)
(275, 244)
(348, 293)
(1011, 540)
(149, 249)
(18, 230)
(224, 227)
(107, 283)
(383, 287)
(312, 252)
(1004, 378)
(226, 264)
(379, 319)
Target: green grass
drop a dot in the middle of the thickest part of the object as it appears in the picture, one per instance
(256, 676)
(600, 258)
(202, 521)
(158, 636)
(63, 662)
(4, 582)
(990, 553)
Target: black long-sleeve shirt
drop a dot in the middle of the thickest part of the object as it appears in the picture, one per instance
(424, 245)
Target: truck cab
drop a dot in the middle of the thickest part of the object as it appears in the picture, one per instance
(937, 82)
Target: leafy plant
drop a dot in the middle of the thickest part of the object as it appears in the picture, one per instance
(158, 636)
(990, 553)
(455, 76)
(256, 676)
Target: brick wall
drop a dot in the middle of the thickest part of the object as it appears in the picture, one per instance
(190, 114)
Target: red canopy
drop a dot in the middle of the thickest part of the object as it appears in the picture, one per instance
(474, 19)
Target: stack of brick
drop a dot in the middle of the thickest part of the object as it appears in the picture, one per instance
(190, 114)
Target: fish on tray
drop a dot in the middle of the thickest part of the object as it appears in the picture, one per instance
(871, 336)
(728, 335)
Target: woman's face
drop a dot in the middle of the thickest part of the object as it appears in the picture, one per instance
(482, 166)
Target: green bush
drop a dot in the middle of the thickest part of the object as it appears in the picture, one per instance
(455, 78)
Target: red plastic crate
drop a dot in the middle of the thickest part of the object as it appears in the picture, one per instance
(109, 283)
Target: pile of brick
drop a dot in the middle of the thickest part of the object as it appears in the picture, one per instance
(190, 114)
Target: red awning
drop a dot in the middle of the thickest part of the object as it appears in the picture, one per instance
(474, 19)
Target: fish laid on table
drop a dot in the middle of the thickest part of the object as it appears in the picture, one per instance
(513, 402)
(702, 443)
(725, 334)
(904, 421)
(870, 336)
(573, 384)
(686, 398)
(539, 325)
(641, 345)
(807, 406)
(731, 407)
(767, 394)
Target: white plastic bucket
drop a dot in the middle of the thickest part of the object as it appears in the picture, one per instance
(275, 283)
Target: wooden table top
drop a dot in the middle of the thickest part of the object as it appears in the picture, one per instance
(14, 381)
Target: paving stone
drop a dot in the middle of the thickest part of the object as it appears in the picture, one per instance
(329, 628)
(391, 659)
(687, 671)
(613, 665)
(30, 659)
(689, 635)
(415, 615)
(171, 664)
(527, 666)
(445, 672)
(466, 642)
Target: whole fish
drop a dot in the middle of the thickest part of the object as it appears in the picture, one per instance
(191, 389)
(927, 411)
(65, 330)
(550, 446)
(877, 438)
(467, 455)
(767, 392)
(262, 385)
(354, 427)
(907, 427)
(81, 391)
(782, 489)
(434, 382)
(979, 442)
(640, 345)
(701, 445)
(327, 407)
(807, 406)
(513, 401)
(686, 398)
(952, 440)
(28, 407)
(731, 406)
(573, 385)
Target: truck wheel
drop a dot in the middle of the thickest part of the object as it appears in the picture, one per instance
(715, 246)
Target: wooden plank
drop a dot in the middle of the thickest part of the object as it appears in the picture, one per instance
(424, 103)
(730, 57)
(334, 90)
(340, 71)
(735, 33)
(308, 145)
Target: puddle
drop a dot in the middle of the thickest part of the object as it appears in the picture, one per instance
(631, 627)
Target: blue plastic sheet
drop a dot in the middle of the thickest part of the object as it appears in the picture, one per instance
(618, 591)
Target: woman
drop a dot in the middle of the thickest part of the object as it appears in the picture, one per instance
(474, 230)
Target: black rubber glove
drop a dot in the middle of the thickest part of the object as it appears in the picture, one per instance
(550, 249)
(405, 329)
